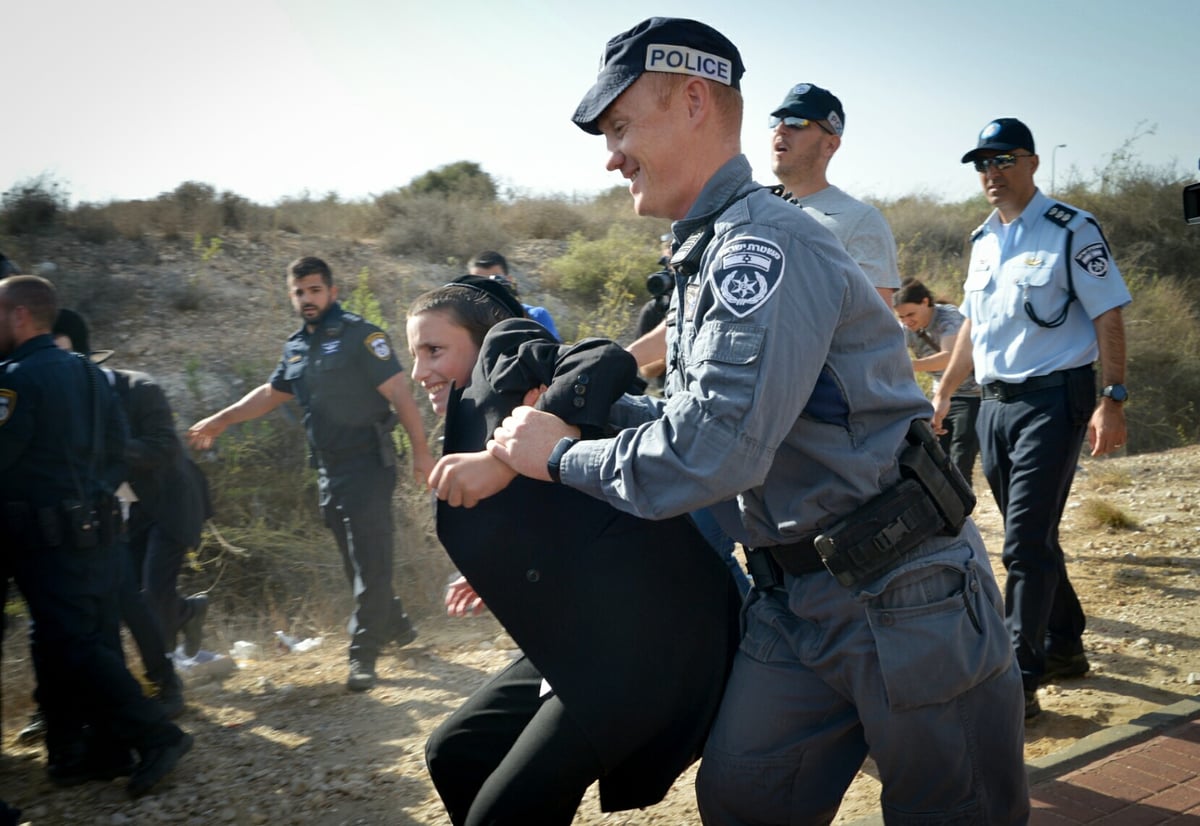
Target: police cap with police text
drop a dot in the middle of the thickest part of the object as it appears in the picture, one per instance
(814, 103)
(659, 44)
(1004, 135)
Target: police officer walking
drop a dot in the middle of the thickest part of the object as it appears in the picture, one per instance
(62, 436)
(1042, 302)
(875, 624)
(346, 376)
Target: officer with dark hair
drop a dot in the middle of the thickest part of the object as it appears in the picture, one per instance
(1043, 302)
(343, 371)
(62, 438)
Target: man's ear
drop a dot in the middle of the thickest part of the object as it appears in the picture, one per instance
(698, 97)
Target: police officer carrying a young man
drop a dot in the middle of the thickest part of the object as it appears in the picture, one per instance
(875, 624)
(62, 437)
(346, 376)
(1042, 300)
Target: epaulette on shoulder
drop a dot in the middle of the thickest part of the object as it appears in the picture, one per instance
(776, 190)
(1061, 214)
(977, 232)
(353, 318)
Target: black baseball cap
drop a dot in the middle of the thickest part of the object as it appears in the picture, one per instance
(659, 44)
(812, 102)
(1003, 134)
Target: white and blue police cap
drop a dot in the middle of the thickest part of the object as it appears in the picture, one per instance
(805, 100)
(1003, 135)
(659, 44)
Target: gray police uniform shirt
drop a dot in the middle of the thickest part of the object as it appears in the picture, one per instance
(861, 228)
(1027, 260)
(946, 321)
(785, 402)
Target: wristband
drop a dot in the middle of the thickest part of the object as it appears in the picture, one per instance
(556, 457)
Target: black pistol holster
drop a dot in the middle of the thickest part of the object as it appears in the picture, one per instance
(931, 498)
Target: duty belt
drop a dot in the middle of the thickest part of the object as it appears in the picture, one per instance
(767, 565)
(1007, 390)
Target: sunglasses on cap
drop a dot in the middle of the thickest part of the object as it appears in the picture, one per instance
(998, 162)
(796, 123)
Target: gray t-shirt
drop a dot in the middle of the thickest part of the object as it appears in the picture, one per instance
(946, 321)
(861, 228)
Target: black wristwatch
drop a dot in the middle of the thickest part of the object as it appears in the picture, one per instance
(556, 457)
(1116, 392)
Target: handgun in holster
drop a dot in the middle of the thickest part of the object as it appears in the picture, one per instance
(931, 498)
(383, 434)
(83, 524)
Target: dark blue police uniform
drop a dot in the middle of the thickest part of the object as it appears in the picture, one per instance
(60, 543)
(335, 372)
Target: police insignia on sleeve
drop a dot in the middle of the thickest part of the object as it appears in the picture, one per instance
(378, 344)
(747, 272)
(8, 403)
(1094, 259)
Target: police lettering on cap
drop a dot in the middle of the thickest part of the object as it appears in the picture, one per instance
(1004, 135)
(660, 44)
(805, 100)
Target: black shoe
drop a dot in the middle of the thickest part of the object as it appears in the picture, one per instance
(362, 676)
(1032, 707)
(1061, 667)
(170, 696)
(405, 632)
(34, 730)
(104, 764)
(193, 628)
(157, 763)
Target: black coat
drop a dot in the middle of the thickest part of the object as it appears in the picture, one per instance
(171, 490)
(632, 622)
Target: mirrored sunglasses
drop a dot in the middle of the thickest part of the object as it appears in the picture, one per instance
(998, 162)
(796, 123)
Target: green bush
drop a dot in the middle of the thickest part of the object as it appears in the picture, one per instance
(435, 228)
(32, 206)
(624, 256)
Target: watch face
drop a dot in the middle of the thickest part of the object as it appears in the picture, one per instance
(1116, 392)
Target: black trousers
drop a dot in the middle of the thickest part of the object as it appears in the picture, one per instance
(356, 501)
(157, 560)
(82, 681)
(1030, 451)
(961, 440)
(511, 756)
(143, 625)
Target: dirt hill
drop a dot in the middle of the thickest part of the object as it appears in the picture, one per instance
(280, 741)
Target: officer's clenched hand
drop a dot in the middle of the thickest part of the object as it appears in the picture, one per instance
(463, 479)
(525, 440)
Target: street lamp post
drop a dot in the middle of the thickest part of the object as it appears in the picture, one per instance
(1053, 153)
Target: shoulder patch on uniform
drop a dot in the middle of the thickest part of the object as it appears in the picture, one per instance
(8, 403)
(1094, 259)
(746, 272)
(379, 345)
(1060, 214)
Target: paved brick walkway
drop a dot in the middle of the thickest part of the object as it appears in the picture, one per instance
(1156, 781)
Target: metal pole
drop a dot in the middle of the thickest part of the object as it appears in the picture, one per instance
(1053, 154)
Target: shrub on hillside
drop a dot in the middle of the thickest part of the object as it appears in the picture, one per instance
(435, 228)
(623, 256)
(544, 218)
(33, 205)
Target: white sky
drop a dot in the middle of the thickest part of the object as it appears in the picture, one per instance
(269, 98)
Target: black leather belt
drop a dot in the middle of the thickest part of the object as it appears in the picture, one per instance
(1006, 390)
(767, 565)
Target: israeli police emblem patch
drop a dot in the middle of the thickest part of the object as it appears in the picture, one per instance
(747, 272)
(8, 401)
(377, 343)
(1094, 259)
